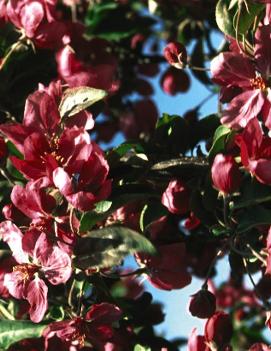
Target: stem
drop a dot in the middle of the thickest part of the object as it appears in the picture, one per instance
(219, 253)
(116, 275)
(70, 219)
(264, 301)
(257, 255)
(5, 175)
(70, 294)
(12, 49)
(6, 313)
(196, 68)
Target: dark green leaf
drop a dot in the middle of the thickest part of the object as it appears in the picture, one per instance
(221, 136)
(13, 331)
(13, 150)
(107, 247)
(150, 213)
(252, 217)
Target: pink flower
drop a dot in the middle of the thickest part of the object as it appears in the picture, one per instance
(140, 120)
(34, 254)
(225, 174)
(100, 74)
(168, 270)
(41, 116)
(95, 327)
(255, 151)
(37, 18)
(176, 197)
(88, 185)
(249, 79)
(218, 329)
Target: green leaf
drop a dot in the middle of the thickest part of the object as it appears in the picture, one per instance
(13, 150)
(150, 213)
(14, 331)
(217, 230)
(89, 219)
(80, 98)
(103, 206)
(221, 136)
(142, 348)
(252, 217)
(107, 247)
(226, 16)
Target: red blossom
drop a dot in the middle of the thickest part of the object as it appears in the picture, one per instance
(255, 151)
(95, 327)
(168, 270)
(34, 254)
(218, 329)
(235, 70)
(225, 174)
(176, 197)
(175, 54)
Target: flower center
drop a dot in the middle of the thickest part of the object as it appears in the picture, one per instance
(258, 83)
(27, 270)
(78, 339)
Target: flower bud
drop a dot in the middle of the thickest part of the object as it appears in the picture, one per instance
(196, 342)
(225, 174)
(202, 304)
(174, 81)
(218, 329)
(176, 55)
(176, 197)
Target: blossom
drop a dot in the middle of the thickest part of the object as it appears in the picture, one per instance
(95, 327)
(168, 269)
(175, 54)
(245, 80)
(225, 174)
(218, 329)
(35, 255)
(255, 151)
(38, 21)
(87, 185)
(100, 73)
(176, 197)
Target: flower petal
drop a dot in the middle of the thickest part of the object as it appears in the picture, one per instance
(12, 235)
(37, 292)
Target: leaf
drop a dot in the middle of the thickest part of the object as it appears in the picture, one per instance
(221, 137)
(141, 348)
(150, 213)
(103, 206)
(107, 247)
(226, 16)
(89, 219)
(14, 331)
(252, 217)
(78, 99)
(252, 193)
